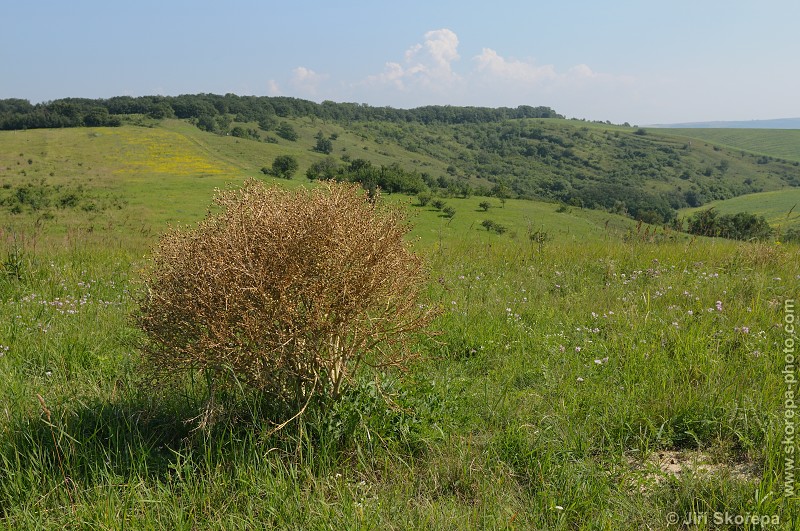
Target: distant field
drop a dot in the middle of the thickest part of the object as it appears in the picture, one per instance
(780, 208)
(779, 143)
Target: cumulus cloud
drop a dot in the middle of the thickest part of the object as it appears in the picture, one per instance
(495, 67)
(306, 80)
(428, 64)
(514, 80)
(430, 72)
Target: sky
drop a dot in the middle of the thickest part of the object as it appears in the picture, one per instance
(642, 62)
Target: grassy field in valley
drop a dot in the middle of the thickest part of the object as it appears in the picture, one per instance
(779, 208)
(603, 377)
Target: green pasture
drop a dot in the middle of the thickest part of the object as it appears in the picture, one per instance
(152, 177)
(600, 375)
(777, 143)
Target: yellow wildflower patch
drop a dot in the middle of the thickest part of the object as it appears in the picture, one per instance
(157, 151)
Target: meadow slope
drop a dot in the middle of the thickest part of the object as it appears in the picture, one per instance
(590, 372)
(778, 143)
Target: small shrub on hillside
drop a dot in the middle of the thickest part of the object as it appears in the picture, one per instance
(791, 235)
(288, 292)
(493, 226)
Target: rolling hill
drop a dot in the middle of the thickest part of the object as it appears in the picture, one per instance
(584, 370)
(171, 165)
(770, 143)
(133, 181)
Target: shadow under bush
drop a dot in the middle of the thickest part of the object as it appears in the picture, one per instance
(70, 447)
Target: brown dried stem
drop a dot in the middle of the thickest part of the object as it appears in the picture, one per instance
(284, 289)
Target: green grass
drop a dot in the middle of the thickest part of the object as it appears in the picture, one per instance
(780, 208)
(559, 373)
(520, 218)
(778, 143)
(566, 376)
(168, 174)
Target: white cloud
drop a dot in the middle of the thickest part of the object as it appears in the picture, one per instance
(306, 80)
(576, 91)
(427, 65)
(582, 71)
(273, 89)
(428, 73)
(441, 46)
(393, 74)
(497, 68)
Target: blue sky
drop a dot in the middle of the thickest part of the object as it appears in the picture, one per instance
(640, 62)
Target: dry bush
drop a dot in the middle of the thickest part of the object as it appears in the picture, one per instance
(287, 291)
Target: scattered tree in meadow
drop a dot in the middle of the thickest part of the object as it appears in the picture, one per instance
(286, 131)
(493, 226)
(502, 192)
(424, 198)
(323, 145)
(284, 166)
(324, 170)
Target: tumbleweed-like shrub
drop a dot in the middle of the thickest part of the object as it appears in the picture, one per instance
(286, 291)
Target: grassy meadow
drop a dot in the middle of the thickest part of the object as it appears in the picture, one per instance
(779, 208)
(604, 375)
(779, 143)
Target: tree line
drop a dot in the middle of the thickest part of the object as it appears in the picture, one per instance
(76, 112)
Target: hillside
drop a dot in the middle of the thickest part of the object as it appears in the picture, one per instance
(775, 143)
(132, 181)
(585, 371)
(526, 153)
(644, 173)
